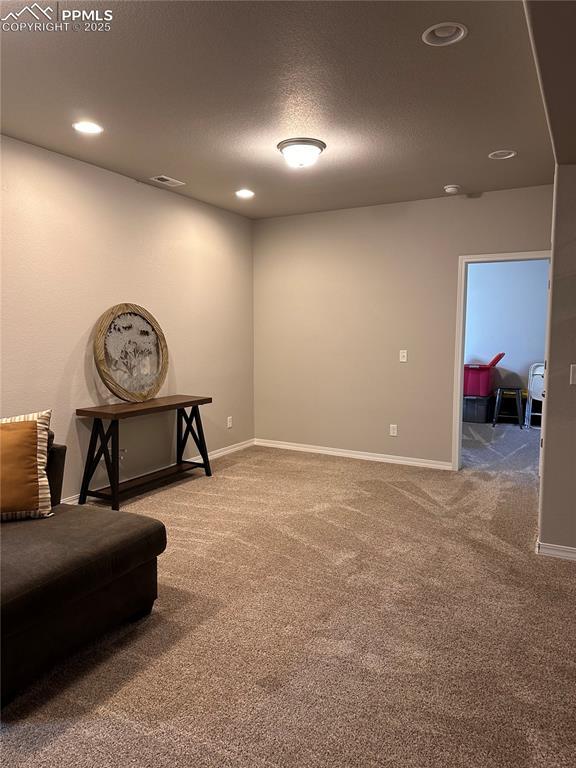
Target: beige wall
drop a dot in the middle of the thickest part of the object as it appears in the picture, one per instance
(77, 239)
(338, 294)
(558, 499)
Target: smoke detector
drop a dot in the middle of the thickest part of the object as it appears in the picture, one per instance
(452, 189)
(167, 181)
(445, 33)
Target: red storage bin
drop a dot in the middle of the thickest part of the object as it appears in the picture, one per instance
(479, 379)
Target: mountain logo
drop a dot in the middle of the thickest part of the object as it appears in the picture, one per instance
(39, 13)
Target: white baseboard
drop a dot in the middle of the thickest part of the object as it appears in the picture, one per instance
(227, 449)
(556, 550)
(383, 457)
(362, 455)
(70, 499)
(212, 454)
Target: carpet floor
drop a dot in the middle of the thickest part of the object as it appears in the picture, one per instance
(504, 446)
(321, 612)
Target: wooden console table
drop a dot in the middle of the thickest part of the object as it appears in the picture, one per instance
(105, 443)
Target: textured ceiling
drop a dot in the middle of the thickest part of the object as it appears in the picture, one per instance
(553, 24)
(203, 91)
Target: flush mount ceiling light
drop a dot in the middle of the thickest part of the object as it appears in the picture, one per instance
(452, 189)
(445, 33)
(244, 194)
(301, 153)
(86, 126)
(502, 154)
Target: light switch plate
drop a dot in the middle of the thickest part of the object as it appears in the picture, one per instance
(573, 374)
(403, 355)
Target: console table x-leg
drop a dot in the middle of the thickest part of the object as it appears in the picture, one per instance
(104, 443)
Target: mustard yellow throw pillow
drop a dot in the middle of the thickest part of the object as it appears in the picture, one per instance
(24, 488)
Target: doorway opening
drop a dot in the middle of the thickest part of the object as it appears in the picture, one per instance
(500, 361)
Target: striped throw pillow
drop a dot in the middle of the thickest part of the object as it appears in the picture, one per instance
(24, 488)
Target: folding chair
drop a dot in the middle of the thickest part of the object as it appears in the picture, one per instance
(535, 390)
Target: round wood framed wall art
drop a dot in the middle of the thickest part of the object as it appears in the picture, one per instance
(130, 352)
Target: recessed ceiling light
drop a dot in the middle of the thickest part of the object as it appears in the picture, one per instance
(445, 33)
(452, 189)
(502, 154)
(85, 126)
(245, 194)
(301, 153)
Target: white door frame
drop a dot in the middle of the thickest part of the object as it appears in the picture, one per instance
(460, 335)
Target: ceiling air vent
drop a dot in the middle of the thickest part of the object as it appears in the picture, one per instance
(167, 181)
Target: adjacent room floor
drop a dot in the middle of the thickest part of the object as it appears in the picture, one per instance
(503, 447)
(316, 611)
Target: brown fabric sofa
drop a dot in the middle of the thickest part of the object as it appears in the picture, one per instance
(68, 578)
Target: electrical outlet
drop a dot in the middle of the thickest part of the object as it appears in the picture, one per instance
(229, 422)
(393, 430)
(121, 455)
(403, 355)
